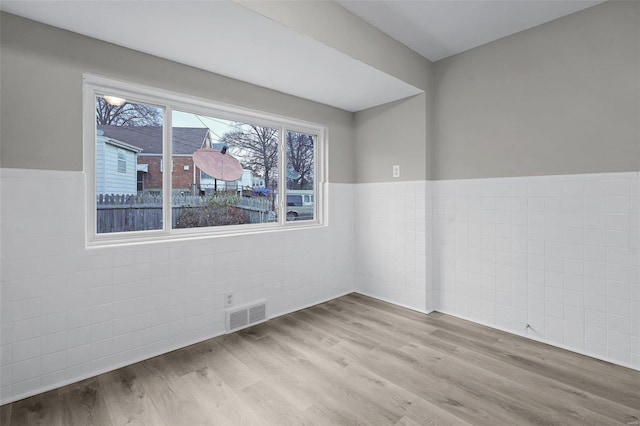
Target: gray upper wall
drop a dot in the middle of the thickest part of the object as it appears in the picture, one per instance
(560, 98)
(41, 90)
(335, 26)
(386, 135)
(393, 134)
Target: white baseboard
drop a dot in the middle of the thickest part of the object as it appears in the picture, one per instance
(413, 308)
(537, 339)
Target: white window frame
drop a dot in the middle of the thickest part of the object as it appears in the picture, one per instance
(95, 86)
(122, 160)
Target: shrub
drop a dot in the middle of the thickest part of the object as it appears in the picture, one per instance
(218, 211)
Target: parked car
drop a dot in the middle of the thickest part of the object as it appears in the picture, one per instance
(261, 192)
(300, 205)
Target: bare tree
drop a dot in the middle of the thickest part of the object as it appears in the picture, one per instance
(300, 159)
(257, 147)
(127, 114)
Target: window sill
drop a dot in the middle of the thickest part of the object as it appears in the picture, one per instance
(183, 235)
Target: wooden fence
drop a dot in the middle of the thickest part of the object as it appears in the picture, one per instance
(122, 213)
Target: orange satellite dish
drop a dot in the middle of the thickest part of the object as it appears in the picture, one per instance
(218, 165)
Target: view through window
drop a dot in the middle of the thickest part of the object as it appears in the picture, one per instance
(202, 200)
(127, 166)
(275, 182)
(300, 176)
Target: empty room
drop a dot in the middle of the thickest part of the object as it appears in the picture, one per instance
(320, 212)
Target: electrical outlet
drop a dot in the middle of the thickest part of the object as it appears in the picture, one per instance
(396, 171)
(228, 300)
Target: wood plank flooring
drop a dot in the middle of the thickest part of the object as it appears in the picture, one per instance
(353, 360)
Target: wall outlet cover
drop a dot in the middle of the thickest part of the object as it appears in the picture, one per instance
(228, 300)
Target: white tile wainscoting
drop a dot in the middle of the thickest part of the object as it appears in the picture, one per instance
(393, 243)
(68, 312)
(559, 253)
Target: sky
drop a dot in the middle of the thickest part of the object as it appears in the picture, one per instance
(217, 126)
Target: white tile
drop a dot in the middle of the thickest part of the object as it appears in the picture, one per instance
(54, 342)
(596, 235)
(619, 306)
(25, 370)
(595, 286)
(79, 355)
(596, 335)
(554, 309)
(574, 282)
(619, 290)
(619, 356)
(574, 188)
(54, 362)
(619, 324)
(26, 386)
(619, 222)
(26, 349)
(618, 188)
(554, 294)
(621, 273)
(595, 349)
(618, 341)
(595, 253)
(596, 318)
(595, 269)
(6, 354)
(27, 308)
(26, 329)
(618, 238)
(578, 245)
(619, 205)
(501, 249)
(595, 188)
(595, 302)
(554, 278)
(573, 266)
(574, 334)
(622, 256)
(54, 303)
(554, 325)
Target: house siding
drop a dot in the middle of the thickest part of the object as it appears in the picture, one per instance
(100, 167)
(116, 182)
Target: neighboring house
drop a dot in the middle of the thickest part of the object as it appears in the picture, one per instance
(116, 166)
(186, 140)
(258, 181)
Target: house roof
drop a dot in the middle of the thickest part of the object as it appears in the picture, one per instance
(149, 138)
(119, 144)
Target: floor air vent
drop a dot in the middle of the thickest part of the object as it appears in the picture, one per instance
(240, 317)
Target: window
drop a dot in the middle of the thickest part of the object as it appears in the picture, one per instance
(232, 170)
(300, 175)
(221, 202)
(140, 182)
(122, 162)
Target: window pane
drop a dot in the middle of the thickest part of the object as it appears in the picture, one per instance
(208, 197)
(128, 176)
(300, 176)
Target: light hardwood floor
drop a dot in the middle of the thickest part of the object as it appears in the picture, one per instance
(353, 360)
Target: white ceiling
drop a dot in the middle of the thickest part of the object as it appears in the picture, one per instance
(438, 29)
(228, 39)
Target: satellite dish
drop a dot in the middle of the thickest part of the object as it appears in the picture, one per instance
(218, 165)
